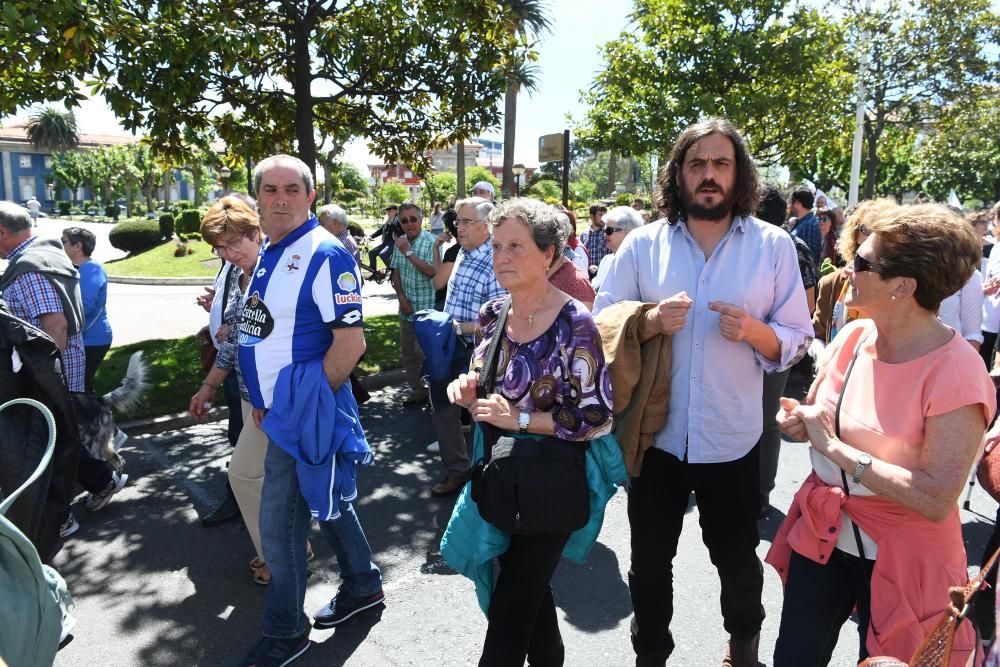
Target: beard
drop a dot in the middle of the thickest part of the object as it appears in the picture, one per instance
(717, 212)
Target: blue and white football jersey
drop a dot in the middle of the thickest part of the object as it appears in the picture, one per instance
(303, 288)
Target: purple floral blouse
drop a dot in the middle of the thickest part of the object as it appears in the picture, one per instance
(562, 371)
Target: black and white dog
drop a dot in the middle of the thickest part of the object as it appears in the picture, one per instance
(93, 412)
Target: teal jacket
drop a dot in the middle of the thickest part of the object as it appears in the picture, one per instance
(470, 543)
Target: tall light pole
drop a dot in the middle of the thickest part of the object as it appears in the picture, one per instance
(517, 170)
(859, 115)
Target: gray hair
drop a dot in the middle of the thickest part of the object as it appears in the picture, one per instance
(625, 217)
(482, 207)
(14, 217)
(283, 160)
(542, 220)
(410, 205)
(333, 212)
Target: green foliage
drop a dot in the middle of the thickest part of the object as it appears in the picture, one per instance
(443, 185)
(159, 261)
(133, 236)
(475, 174)
(167, 225)
(545, 189)
(52, 130)
(112, 210)
(65, 207)
(394, 193)
(349, 197)
(189, 221)
(183, 204)
(624, 199)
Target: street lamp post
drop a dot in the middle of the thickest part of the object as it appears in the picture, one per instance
(225, 173)
(517, 170)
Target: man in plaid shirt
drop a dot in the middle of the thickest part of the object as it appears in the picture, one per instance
(472, 283)
(594, 239)
(412, 267)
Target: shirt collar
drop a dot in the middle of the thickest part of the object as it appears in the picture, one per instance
(739, 223)
(294, 235)
(20, 248)
(481, 248)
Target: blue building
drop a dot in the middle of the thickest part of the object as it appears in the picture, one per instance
(24, 169)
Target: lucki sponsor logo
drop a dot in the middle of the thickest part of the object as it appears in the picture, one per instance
(256, 323)
(347, 299)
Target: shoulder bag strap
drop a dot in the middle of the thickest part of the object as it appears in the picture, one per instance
(836, 426)
(487, 375)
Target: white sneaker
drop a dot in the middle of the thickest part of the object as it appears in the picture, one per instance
(119, 439)
(69, 526)
(434, 447)
(97, 501)
(68, 623)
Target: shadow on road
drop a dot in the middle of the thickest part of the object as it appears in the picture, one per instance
(593, 595)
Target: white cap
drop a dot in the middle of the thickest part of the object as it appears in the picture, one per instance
(484, 185)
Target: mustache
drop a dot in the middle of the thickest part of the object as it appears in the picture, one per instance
(708, 183)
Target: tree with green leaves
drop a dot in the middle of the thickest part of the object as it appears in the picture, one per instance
(260, 75)
(525, 20)
(52, 130)
(776, 70)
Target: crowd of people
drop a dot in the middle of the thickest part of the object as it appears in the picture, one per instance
(662, 347)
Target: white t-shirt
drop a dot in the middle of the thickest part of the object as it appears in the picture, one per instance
(963, 310)
(33, 206)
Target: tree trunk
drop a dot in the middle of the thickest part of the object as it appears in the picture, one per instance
(327, 180)
(460, 169)
(302, 87)
(196, 183)
(509, 131)
(872, 136)
(612, 172)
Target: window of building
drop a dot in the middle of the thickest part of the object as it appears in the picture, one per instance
(48, 161)
(24, 161)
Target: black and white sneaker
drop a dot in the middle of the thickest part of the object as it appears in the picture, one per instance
(345, 606)
(277, 651)
(97, 501)
(69, 526)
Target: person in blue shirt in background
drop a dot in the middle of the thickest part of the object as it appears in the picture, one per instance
(800, 205)
(79, 244)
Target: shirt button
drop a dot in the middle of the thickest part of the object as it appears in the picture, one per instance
(699, 312)
(692, 409)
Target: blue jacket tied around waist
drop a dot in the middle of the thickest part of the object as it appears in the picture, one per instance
(470, 543)
(320, 427)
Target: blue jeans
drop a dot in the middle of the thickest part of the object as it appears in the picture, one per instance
(284, 526)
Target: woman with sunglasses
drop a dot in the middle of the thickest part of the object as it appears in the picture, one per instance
(618, 222)
(233, 230)
(828, 257)
(895, 419)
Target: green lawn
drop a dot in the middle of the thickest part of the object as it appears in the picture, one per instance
(175, 366)
(160, 262)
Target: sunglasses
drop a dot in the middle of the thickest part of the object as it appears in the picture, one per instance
(861, 264)
(611, 230)
(410, 219)
(824, 218)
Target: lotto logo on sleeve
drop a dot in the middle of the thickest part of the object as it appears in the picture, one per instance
(256, 323)
(347, 282)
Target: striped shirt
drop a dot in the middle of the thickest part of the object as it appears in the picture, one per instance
(304, 288)
(472, 283)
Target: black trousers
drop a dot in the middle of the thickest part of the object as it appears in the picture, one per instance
(728, 504)
(522, 616)
(818, 600)
(92, 473)
(231, 392)
(94, 355)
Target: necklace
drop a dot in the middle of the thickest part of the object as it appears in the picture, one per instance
(530, 317)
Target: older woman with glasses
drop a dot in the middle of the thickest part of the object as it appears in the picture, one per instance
(618, 222)
(233, 230)
(895, 419)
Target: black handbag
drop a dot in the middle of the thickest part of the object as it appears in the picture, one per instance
(527, 486)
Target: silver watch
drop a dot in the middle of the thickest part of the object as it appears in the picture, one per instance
(864, 460)
(523, 419)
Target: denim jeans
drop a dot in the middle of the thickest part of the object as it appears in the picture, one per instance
(284, 526)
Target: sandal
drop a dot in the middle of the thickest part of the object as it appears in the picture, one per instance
(261, 573)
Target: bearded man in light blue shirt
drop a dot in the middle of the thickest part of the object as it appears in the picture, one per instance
(728, 291)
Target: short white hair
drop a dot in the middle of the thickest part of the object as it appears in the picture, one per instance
(333, 212)
(625, 217)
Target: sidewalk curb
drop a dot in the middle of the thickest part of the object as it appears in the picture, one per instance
(136, 280)
(179, 420)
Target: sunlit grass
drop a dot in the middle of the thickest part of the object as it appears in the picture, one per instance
(159, 262)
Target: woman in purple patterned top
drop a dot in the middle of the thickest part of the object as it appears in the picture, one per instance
(551, 380)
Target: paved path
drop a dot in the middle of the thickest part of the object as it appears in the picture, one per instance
(144, 312)
(154, 588)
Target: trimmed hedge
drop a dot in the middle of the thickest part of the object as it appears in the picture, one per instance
(65, 207)
(189, 221)
(133, 235)
(167, 226)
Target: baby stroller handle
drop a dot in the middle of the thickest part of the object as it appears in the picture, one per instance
(49, 448)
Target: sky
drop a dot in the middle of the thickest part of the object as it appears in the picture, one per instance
(569, 59)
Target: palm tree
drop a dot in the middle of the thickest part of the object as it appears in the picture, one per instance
(524, 18)
(53, 130)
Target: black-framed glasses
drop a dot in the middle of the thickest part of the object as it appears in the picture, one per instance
(65, 241)
(410, 219)
(229, 246)
(860, 264)
(611, 230)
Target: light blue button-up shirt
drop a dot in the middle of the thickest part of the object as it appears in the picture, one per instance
(715, 384)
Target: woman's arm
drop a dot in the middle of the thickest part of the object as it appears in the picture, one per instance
(951, 442)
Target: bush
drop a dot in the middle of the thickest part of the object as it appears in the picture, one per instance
(183, 204)
(189, 221)
(355, 229)
(624, 199)
(348, 197)
(112, 210)
(65, 207)
(166, 225)
(136, 208)
(134, 235)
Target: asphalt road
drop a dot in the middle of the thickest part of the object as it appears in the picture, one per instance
(155, 588)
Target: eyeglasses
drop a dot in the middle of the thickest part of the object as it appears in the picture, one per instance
(860, 264)
(611, 230)
(410, 219)
(465, 221)
(862, 230)
(824, 218)
(229, 246)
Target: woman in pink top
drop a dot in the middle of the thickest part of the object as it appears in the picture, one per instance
(895, 419)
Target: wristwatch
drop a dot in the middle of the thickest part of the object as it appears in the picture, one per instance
(523, 419)
(863, 462)
(408, 253)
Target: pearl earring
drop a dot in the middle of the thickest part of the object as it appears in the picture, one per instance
(893, 297)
